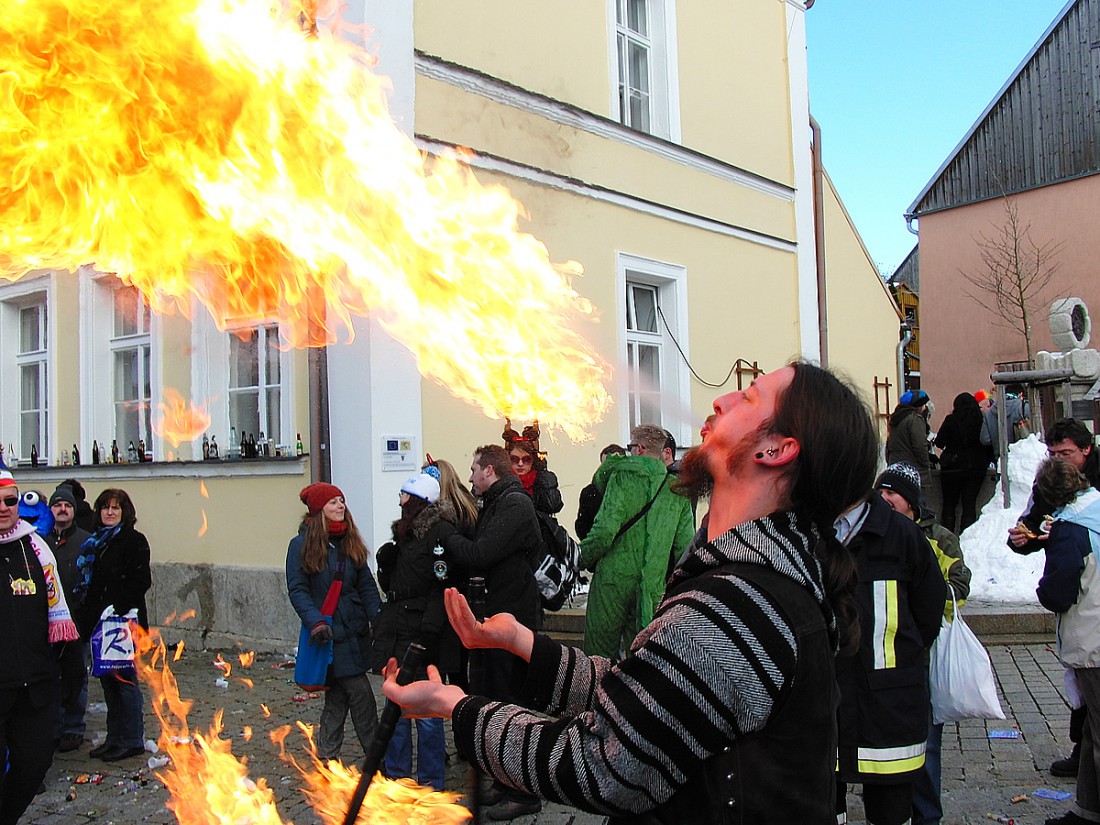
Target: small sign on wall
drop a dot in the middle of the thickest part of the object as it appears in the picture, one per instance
(398, 455)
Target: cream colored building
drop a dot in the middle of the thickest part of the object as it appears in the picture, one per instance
(666, 146)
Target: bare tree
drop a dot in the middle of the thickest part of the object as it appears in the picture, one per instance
(1014, 274)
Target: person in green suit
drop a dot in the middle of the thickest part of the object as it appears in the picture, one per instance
(639, 531)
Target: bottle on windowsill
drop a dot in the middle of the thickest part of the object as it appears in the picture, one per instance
(205, 448)
(141, 449)
(261, 446)
(95, 451)
(34, 455)
(298, 447)
(214, 452)
(76, 456)
(131, 453)
(114, 451)
(234, 445)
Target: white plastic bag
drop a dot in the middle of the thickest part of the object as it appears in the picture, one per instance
(961, 675)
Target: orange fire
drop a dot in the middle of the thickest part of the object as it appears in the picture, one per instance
(177, 421)
(205, 149)
(207, 783)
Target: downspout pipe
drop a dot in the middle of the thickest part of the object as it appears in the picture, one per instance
(819, 241)
(906, 337)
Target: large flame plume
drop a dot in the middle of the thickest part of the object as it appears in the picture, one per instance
(207, 149)
(207, 783)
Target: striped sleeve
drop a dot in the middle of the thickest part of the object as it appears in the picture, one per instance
(707, 670)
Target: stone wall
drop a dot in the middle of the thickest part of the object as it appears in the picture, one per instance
(234, 606)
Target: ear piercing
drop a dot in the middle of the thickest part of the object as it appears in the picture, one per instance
(771, 452)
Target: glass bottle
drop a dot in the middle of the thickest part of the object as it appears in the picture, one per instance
(205, 448)
(214, 452)
(34, 455)
(298, 447)
(234, 445)
(114, 451)
(76, 456)
(131, 453)
(95, 451)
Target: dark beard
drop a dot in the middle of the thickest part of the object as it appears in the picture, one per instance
(695, 479)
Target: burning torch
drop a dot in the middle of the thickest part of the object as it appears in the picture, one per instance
(476, 599)
(411, 662)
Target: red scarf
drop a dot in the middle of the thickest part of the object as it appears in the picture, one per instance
(337, 529)
(528, 480)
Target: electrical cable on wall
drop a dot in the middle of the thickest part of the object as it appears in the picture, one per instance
(698, 377)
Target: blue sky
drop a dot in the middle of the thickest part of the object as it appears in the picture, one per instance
(896, 85)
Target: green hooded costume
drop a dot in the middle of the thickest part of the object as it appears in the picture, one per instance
(630, 570)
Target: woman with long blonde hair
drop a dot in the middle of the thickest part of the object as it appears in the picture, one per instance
(333, 590)
(452, 490)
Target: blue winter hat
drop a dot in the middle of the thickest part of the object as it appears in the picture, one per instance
(914, 398)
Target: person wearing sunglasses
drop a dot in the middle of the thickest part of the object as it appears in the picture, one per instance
(529, 466)
(35, 616)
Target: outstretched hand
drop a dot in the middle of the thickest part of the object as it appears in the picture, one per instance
(501, 630)
(428, 698)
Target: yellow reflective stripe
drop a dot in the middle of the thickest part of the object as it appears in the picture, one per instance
(890, 760)
(898, 766)
(885, 597)
(891, 622)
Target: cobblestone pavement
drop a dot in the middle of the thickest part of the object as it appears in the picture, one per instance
(981, 774)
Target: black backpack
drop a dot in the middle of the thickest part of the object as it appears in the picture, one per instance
(559, 570)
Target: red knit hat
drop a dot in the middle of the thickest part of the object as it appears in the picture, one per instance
(316, 496)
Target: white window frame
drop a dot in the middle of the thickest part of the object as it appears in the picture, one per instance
(99, 345)
(664, 82)
(264, 332)
(210, 376)
(670, 283)
(14, 298)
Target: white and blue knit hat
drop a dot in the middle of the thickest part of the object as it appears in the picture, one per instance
(422, 486)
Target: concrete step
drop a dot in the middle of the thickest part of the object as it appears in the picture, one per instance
(992, 622)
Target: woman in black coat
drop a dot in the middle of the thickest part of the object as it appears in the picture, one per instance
(963, 461)
(413, 573)
(115, 575)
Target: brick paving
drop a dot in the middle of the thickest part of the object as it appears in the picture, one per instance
(980, 774)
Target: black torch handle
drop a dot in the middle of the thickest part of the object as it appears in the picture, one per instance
(475, 597)
(411, 662)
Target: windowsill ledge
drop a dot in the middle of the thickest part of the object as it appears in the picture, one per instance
(290, 466)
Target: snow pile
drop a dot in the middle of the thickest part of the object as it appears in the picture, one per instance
(1000, 575)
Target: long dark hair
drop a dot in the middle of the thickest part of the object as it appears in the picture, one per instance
(838, 454)
(968, 416)
(413, 507)
(129, 513)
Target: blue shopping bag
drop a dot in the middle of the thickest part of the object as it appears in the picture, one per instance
(311, 666)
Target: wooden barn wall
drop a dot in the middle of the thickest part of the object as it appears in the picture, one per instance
(1044, 129)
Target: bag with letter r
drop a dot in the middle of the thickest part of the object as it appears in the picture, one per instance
(112, 646)
(558, 571)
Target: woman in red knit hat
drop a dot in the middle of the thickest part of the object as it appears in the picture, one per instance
(333, 591)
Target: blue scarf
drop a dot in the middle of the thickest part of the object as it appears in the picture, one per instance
(85, 562)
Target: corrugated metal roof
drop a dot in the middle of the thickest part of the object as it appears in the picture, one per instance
(1042, 127)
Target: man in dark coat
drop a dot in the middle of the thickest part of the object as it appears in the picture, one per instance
(506, 537)
(883, 717)
(65, 540)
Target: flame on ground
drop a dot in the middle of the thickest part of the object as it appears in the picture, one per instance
(205, 149)
(207, 783)
(177, 421)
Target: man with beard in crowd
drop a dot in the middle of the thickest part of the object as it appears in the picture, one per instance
(736, 671)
